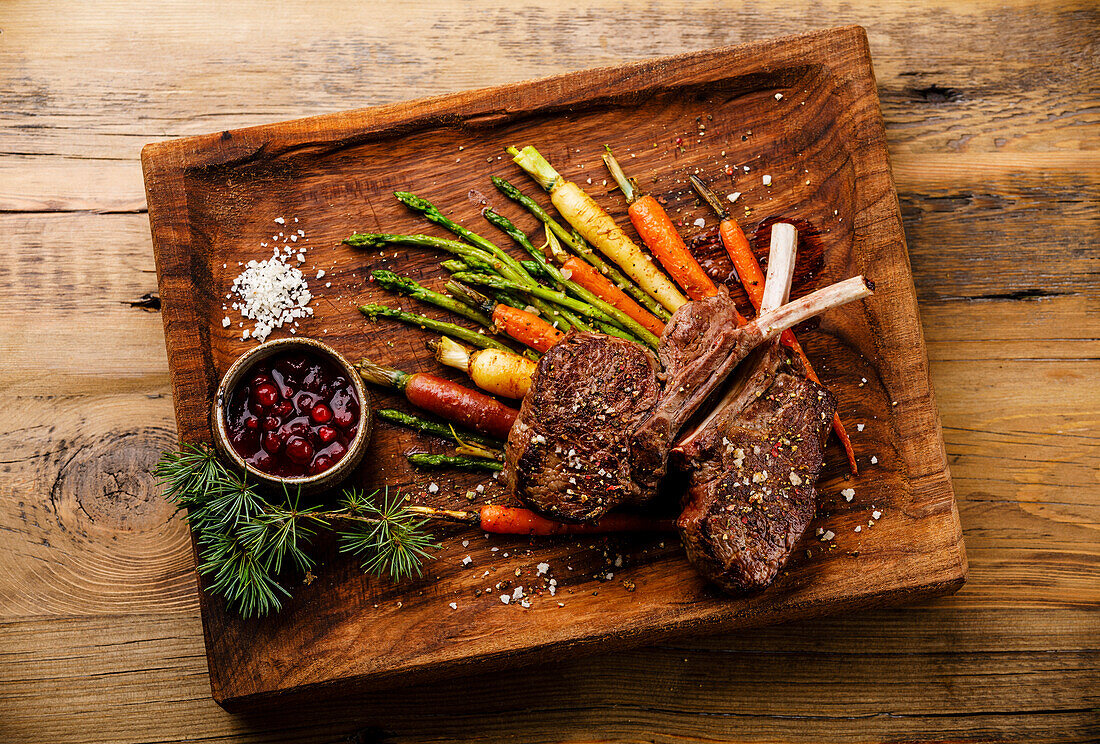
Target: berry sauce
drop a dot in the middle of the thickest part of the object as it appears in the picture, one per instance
(293, 414)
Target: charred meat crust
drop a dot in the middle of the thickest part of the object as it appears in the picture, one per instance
(751, 494)
(568, 454)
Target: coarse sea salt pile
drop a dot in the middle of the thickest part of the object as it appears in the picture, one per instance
(272, 293)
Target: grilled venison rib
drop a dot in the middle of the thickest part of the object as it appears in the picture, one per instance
(752, 463)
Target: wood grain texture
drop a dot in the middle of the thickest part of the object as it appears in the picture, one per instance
(803, 109)
(991, 121)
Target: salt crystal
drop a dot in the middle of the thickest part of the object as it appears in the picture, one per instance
(700, 222)
(543, 568)
(465, 543)
(876, 514)
(859, 528)
(320, 273)
(829, 535)
(860, 427)
(467, 561)
(433, 488)
(734, 196)
(505, 598)
(779, 96)
(280, 220)
(874, 460)
(767, 180)
(226, 321)
(848, 494)
(453, 605)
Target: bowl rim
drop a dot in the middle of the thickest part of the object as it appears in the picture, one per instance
(356, 449)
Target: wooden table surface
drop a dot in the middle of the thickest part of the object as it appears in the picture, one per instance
(992, 117)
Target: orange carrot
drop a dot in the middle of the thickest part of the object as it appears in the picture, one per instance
(752, 279)
(657, 231)
(591, 279)
(504, 520)
(527, 328)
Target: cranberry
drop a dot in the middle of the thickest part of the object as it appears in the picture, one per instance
(266, 394)
(293, 415)
(272, 442)
(321, 464)
(304, 402)
(299, 450)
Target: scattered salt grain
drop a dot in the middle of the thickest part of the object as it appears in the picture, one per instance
(226, 321)
(280, 221)
(876, 514)
(700, 222)
(767, 180)
(433, 488)
(860, 427)
(543, 568)
(829, 535)
(505, 598)
(859, 528)
(465, 543)
(320, 273)
(453, 605)
(517, 593)
(779, 96)
(734, 196)
(848, 494)
(273, 293)
(874, 460)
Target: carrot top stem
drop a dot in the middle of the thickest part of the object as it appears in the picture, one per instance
(709, 197)
(379, 374)
(629, 186)
(536, 165)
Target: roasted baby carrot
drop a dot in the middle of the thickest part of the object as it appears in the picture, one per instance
(752, 279)
(444, 398)
(506, 520)
(660, 236)
(588, 277)
(527, 328)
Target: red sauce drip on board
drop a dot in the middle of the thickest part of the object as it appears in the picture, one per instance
(293, 414)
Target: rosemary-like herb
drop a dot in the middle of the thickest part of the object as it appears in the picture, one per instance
(246, 541)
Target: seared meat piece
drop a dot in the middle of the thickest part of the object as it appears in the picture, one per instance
(753, 465)
(701, 345)
(568, 453)
(596, 428)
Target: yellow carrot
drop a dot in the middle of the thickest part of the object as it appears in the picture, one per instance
(499, 372)
(599, 228)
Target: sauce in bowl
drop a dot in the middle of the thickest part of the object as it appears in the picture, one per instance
(292, 414)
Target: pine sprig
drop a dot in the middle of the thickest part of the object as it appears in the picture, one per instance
(390, 539)
(247, 541)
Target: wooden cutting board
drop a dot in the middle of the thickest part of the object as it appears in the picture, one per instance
(802, 110)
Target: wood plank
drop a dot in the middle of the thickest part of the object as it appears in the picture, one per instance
(960, 676)
(825, 128)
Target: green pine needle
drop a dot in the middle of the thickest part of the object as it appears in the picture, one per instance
(390, 539)
(247, 542)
